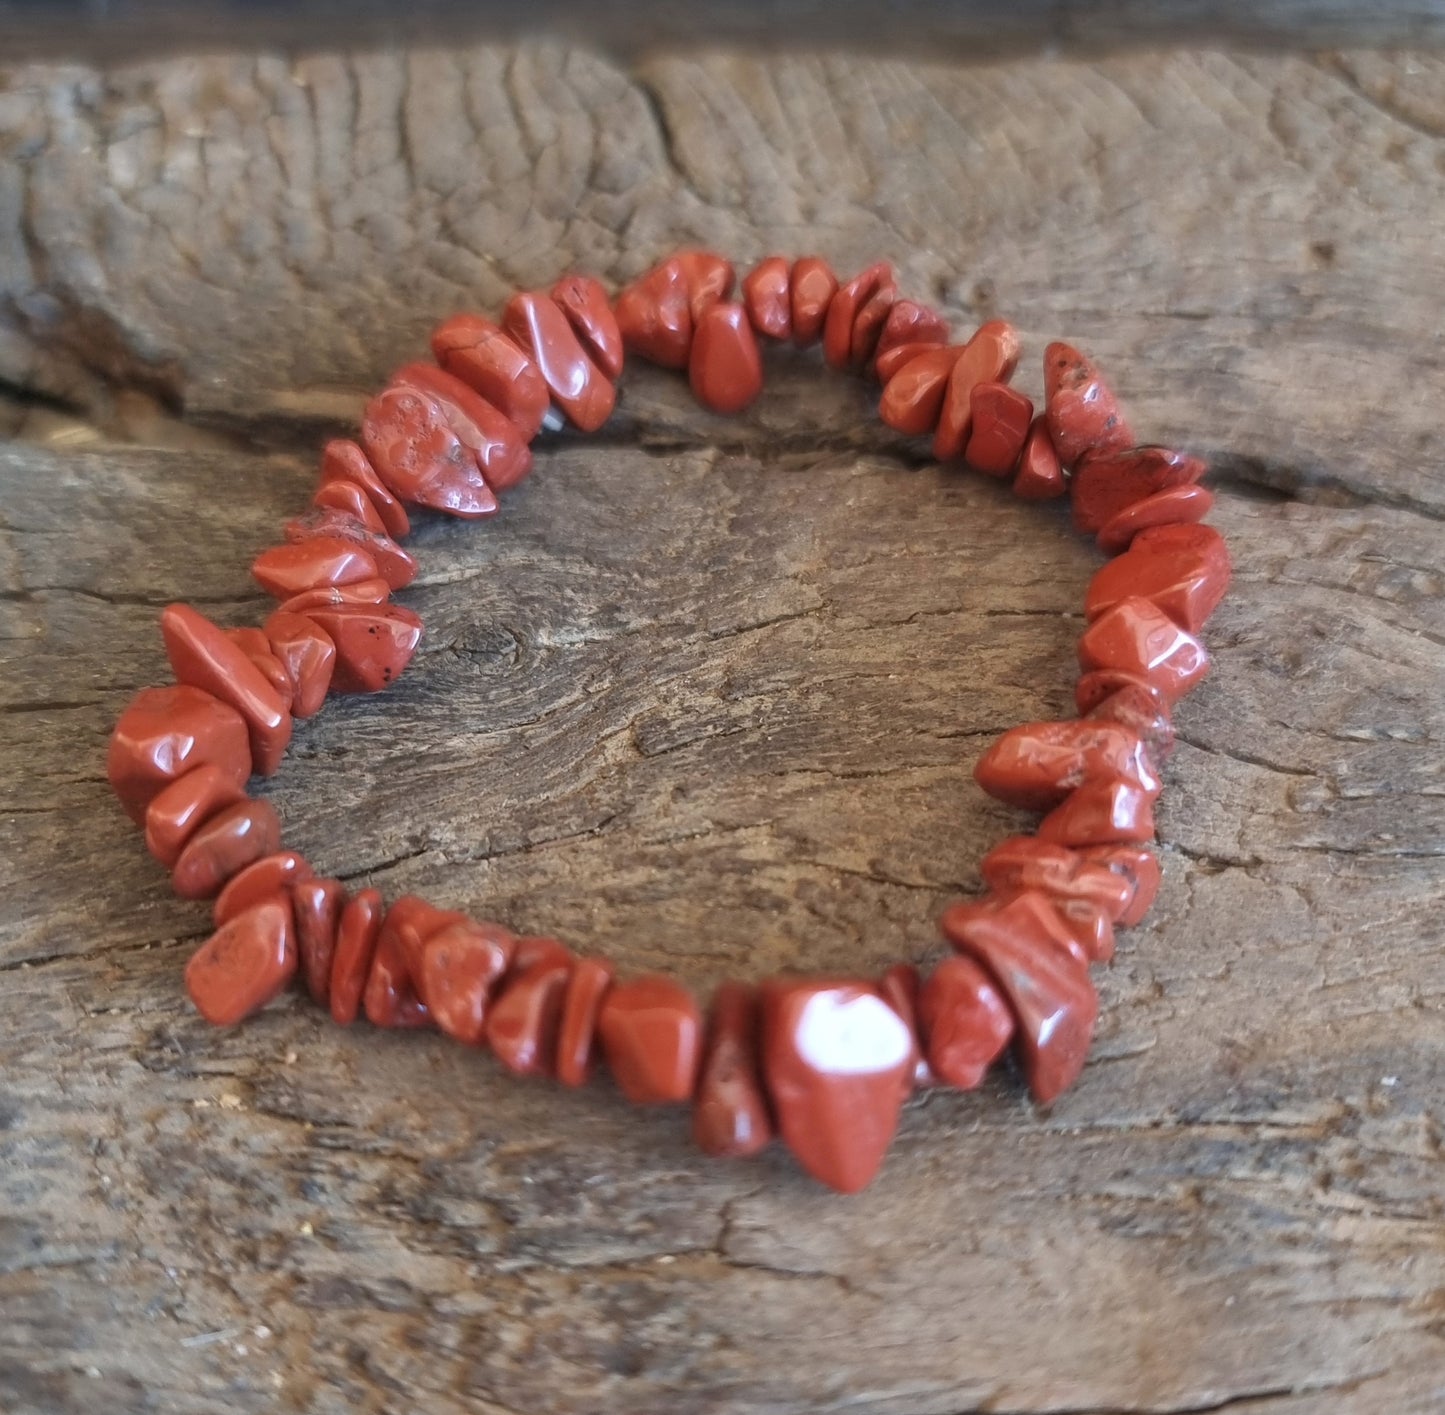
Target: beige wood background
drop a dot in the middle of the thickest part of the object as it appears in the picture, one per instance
(708, 697)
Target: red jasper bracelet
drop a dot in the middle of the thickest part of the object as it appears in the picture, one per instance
(824, 1062)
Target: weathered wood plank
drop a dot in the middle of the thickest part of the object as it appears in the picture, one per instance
(1210, 222)
(707, 697)
(686, 739)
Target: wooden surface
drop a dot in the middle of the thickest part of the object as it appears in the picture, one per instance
(951, 29)
(707, 697)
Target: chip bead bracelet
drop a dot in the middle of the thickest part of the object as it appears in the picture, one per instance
(823, 1062)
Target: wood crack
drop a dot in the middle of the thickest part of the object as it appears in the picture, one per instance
(1314, 485)
(1270, 1395)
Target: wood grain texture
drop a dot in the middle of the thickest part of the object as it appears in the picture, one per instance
(101, 30)
(707, 697)
(257, 239)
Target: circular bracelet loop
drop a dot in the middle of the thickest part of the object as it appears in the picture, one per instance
(824, 1062)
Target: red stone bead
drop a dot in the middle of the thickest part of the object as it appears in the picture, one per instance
(1104, 484)
(1094, 687)
(913, 396)
(494, 441)
(460, 967)
(1184, 570)
(269, 666)
(1040, 474)
(1101, 813)
(899, 987)
(966, 911)
(729, 1112)
(373, 644)
(1138, 866)
(583, 300)
(1037, 764)
(1180, 538)
(998, 421)
(1090, 897)
(580, 388)
(316, 905)
(526, 1016)
(343, 461)
(287, 570)
(390, 998)
(868, 327)
(847, 306)
(909, 322)
(257, 647)
(577, 1030)
(965, 1022)
(1093, 929)
(1028, 952)
(257, 651)
(1137, 637)
(244, 965)
(174, 813)
(165, 733)
(651, 1034)
(393, 564)
(200, 654)
(838, 1063)
(250, 640)
(655, 316)
(1082, 414)
(725, 368)
(374, 591)
(224, 845)
(356, 935)
(270, 875)
(708, 277)
(1025, 862)
(532, 949)
(1139, 707)
(409, 438)
(413, 920)
(990, 356)
(889, 363)
(1178, 505)
(767, 295)
(813, 286)
(481, 356)
(348, 498)
(305, 650)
